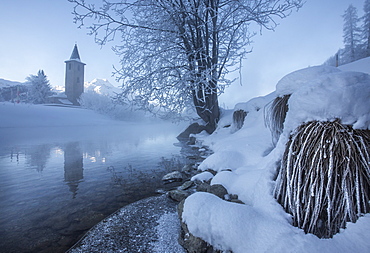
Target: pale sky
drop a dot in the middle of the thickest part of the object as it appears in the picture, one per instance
(40, 34)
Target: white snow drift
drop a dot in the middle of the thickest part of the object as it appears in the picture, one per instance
(261, 225)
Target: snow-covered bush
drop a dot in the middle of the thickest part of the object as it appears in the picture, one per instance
(324, 178)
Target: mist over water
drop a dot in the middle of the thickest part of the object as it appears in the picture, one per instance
(57, 182)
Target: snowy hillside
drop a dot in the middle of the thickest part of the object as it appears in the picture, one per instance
(362, 65)
(101, 86)
(246, 165)
(7, 83)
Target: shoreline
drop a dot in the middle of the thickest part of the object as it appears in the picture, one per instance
(147, 225)
(134, 228)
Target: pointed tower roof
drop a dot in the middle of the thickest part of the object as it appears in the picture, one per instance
(75, 55)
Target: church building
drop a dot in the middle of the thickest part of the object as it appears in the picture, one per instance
(74, 81)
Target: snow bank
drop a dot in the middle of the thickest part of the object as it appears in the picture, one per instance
(37, 124)
(362, 65)
(29, 115)
(336, 95)
(304, 77)
(246, 165)
(244, 228)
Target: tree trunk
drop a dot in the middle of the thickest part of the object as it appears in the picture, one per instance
(206, 104)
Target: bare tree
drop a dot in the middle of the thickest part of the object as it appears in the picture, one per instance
(175, 53)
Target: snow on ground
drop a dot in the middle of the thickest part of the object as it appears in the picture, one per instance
(28, 123)
(29, 115)
(7, 83)
(329, 96)
(168, 230)
(246, 165)
(362, 65)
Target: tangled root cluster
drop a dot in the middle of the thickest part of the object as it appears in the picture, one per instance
(275, 114)
(324, 178)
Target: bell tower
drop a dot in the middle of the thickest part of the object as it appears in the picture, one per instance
(74, 82)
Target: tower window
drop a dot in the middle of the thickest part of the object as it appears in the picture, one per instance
(78, 80)
(69, 66)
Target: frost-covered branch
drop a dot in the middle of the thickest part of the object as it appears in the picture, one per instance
(204, 39)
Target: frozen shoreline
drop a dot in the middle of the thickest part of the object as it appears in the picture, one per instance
(148, 225)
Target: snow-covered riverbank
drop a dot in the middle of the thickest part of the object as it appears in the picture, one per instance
(246, 161)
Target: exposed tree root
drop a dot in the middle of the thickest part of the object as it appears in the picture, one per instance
(275, 113)
(324, 179)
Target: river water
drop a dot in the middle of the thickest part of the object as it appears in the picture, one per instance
(56, 183)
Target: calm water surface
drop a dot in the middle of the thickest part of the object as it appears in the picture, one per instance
(55, 184)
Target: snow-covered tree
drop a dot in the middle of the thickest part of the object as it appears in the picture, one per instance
(40, 88)
(175, 53)
(366, 28)
(351, 34)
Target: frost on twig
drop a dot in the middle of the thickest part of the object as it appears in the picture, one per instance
(324, 179)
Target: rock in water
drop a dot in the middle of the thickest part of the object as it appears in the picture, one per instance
(174, 176)
(194, 128)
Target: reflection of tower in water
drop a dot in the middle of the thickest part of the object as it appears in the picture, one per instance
(73, 166)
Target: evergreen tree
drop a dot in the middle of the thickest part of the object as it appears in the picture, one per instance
(40, 88)
(351, 34)
(366, 28)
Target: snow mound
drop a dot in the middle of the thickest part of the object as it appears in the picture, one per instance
(326, 95)
(202, 177)
(243, 228)
(304, 77)
(255, 104)
(230, 160)
(102, 87)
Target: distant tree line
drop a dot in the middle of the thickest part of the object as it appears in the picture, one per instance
(37, 90)
(356, 36)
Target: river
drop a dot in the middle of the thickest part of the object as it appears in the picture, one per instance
(56, 183)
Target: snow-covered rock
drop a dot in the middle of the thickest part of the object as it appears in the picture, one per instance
(203, 176)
